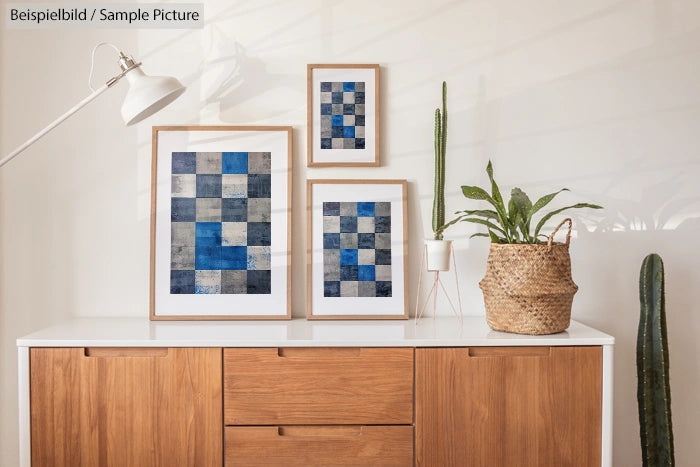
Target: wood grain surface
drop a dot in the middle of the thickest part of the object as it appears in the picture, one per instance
(492, 406)
(141, 407)
(319, 446)
(270, 386)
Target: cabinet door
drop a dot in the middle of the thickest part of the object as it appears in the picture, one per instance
(126, 406)
(508, 406)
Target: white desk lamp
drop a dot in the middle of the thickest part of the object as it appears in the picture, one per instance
(146, 96)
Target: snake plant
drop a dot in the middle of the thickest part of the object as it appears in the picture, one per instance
(511, 222)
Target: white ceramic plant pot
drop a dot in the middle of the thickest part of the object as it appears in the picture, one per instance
(438, 254)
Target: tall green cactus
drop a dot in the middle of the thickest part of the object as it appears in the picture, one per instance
(653, 389)
(440, 148)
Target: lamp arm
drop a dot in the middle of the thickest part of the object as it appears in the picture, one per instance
(59, 120)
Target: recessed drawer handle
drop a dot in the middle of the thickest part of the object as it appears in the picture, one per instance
(485, 352)
(320, 432)
(126, 351)
(303, 352)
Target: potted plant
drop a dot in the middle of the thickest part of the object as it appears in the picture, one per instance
(438, 250)
(528, 287)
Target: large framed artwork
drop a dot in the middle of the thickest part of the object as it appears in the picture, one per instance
(356, 249)
(343, 115)
(220, 222)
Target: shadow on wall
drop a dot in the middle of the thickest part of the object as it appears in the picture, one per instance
(664, 219)
(230, 77)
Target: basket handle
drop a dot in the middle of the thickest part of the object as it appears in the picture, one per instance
(568, 234)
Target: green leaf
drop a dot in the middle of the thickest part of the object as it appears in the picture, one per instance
(487, 213)
(496, 239)
(522, 202)
(497, 198)
(513, 221)
(523, 205)
(548, 216)
(474, 192)
(479, 234)
(488, 224)
(443, 227)
(543, 201)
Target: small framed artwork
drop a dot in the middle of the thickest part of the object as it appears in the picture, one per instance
(356, 249)
(343, 115)
(220, 222)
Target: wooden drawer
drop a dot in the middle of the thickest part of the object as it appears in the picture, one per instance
(322, 445)
(306, 386)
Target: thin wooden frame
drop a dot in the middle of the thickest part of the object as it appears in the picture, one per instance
(277, 304)
(373, 307)
(369, 156)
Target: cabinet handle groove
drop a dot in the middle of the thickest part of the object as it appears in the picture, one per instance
(324, 431)
(126, 352)
(489, 352)
(335, 352)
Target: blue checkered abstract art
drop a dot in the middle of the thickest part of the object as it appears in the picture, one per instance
(357, 249)
(342, 115)
(220, 223)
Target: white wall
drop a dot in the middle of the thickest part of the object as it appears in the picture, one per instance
(601, 96)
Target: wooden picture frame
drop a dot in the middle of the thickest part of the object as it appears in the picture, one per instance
(343, 115)
(221, 222)
(356, 249)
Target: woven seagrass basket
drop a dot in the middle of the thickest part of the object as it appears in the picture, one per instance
(528, 288)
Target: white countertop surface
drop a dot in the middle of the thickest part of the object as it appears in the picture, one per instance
(429, 332)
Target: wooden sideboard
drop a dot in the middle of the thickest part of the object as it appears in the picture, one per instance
(132, 392)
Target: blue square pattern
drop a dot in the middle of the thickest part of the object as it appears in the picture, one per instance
(234, 209)
(259, 233)
(331, 289)
(365, 209)
(259, 186)
(259, 282)
(348, 224)
(365, 272)
(234, 258)
(331, 208)
(182, 282)
(331, 241)
(184, 162)
(208, 185)
(342, 99)
(228, 266)
(207, 258)
(208, 234)
(234, 163)
(182, 209)
(348, 257)
(346, 272)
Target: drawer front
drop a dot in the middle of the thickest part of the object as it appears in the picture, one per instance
(306, 386)
(322, 446)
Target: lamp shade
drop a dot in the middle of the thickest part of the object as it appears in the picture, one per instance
(148, 94)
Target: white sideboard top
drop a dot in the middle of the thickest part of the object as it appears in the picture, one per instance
(429, 332)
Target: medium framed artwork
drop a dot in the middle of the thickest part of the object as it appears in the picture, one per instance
(343, 115)
(356, 249)
(220, 222)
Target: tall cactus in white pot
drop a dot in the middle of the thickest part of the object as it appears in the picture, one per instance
(438, 249)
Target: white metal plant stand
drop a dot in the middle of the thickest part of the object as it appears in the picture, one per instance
(436, 287)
